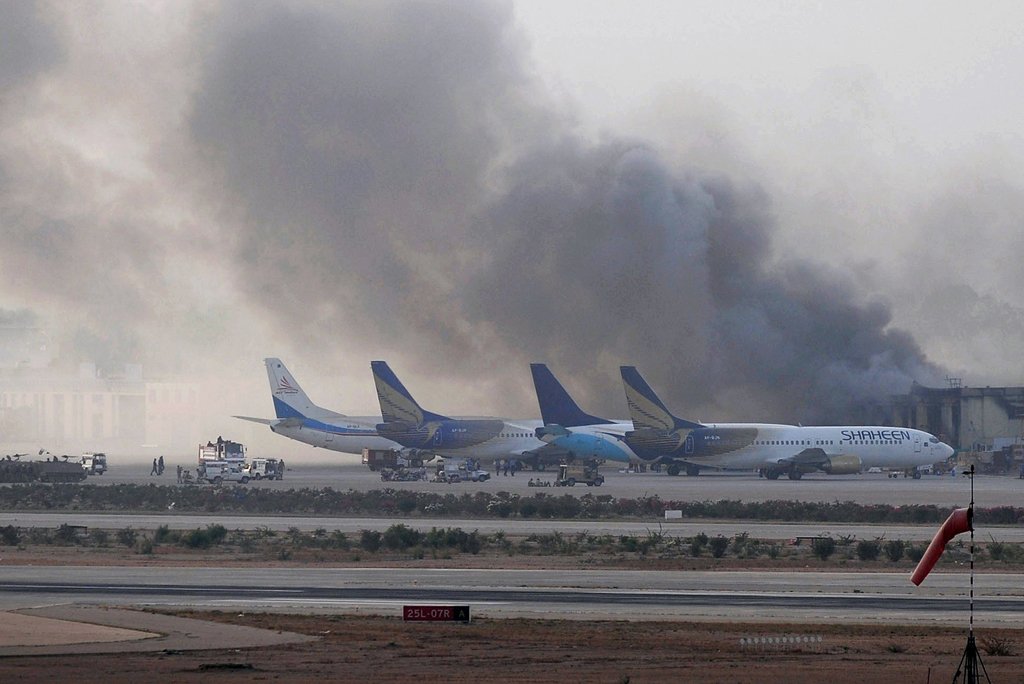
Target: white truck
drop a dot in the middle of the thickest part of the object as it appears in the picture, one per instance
(222, 450)
(457, 470)
(264, 468)
(94, 463)
(219, 472)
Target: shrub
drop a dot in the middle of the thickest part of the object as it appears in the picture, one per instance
(145, 547)
(894, 549)
(718, 545)
(338, 540)
(369, 540)
(823, 547)
(527, 509)
(99, 537)
(126, 536)
(868, 550)
(204, 539)
(915, 553)
(10, 535)
(698, 543)
(997, 646)
(400, 537)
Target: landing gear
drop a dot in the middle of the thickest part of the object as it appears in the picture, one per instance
(673, 469)
(795, 474)
(692, 470)
(772, 473)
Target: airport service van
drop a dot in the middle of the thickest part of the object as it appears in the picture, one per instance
(218, 472)
(459, 470)
(265, 468)
(94, 463)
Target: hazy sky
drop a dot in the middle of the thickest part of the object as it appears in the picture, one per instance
(778, 211)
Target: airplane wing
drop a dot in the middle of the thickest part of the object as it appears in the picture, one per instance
(808, 458)
(273, 422)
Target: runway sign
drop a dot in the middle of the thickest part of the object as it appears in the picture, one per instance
(435, 613)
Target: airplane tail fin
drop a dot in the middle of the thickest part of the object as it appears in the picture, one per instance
(645, 408)
(289, 399)
(556, 406)
(396, 404)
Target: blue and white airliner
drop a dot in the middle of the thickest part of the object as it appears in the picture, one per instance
(300, 419)
(659, 436)
(405, 422)
(568, 427)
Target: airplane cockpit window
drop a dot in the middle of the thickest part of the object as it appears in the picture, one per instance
(932, 439)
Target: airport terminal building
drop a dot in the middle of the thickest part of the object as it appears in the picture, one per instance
(63, 411)
(970, 419)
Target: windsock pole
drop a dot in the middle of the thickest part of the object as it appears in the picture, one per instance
(971, 666)
(970, 623)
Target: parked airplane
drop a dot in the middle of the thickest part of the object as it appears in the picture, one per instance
(659, 436)
(568, 427)
(300, 419)
(411, 426)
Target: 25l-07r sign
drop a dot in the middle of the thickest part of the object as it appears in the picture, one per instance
(435, 613)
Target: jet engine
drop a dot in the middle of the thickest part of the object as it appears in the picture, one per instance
(843, 464)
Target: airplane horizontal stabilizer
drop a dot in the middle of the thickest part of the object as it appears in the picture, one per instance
(262, 421)
(274, 422)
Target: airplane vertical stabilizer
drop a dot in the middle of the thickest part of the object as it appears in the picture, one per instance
(645, 408)
(289, 399)
(556, 406)
(396, 404)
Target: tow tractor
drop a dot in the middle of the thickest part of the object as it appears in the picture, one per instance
(571, 473)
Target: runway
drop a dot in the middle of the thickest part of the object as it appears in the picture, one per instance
(632, 595)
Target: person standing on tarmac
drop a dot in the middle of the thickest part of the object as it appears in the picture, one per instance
(153, 471)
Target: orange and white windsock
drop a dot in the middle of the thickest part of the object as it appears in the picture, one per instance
(959, 521)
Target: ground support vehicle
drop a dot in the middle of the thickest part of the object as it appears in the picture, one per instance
(222, 450)
(458, 470)
(403, 474)
(219, 472)
(570, 474)
(378, 459)
(264, 468)
(94, 463)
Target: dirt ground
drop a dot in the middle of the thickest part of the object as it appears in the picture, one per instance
(373, 649)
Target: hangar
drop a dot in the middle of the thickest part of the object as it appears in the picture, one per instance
(982, 420)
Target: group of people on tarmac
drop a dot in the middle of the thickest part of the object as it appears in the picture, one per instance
(158, 466)
(506, 466)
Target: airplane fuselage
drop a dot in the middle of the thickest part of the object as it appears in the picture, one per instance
(481, 438)
(603, 441)
(742, 446)
(348, 435)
